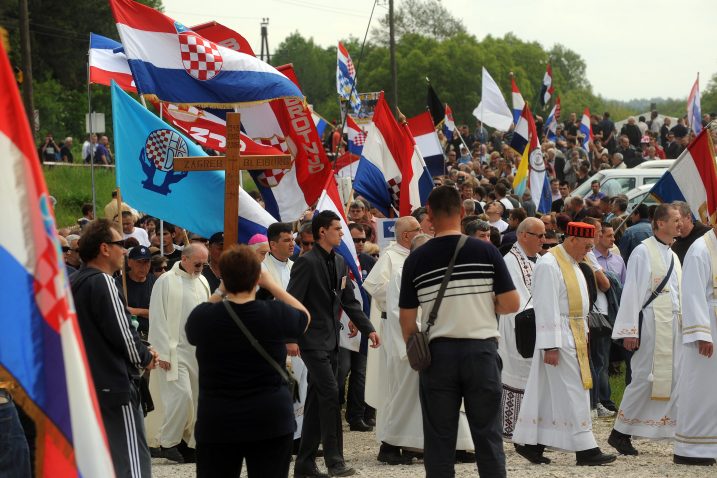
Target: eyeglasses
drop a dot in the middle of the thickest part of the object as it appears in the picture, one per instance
(413, 230)
(66, 249)
(548, 246)
(307, 243)
(198, 265)
(119, 243)
(540, 236)
(160, 269)
(359, 239)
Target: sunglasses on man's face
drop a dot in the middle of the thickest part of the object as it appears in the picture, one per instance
(358, 240)
(160, 269)
(66, 249)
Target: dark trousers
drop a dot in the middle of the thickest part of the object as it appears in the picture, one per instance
(322, 414)
(264, 458)
(14, 452)
(355, 363)
(600, 360)
(469, 370)
(124, 425)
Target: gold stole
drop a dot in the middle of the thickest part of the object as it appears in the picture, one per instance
(664, 316)
(575, 316)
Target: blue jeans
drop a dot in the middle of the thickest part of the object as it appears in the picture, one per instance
(469, 370)
(600, 361)
(14, 452)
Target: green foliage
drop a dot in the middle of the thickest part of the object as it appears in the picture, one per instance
(428, 18)
(709, 96)
(72, 187)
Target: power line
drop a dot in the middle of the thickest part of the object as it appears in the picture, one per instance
(324, 8)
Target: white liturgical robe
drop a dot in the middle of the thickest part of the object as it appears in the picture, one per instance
(376, 284)
(515, 367)
(399, 421)
(175, 294)
(696, 432)
(639, 414)
(556, 408)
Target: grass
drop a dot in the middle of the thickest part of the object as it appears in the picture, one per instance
(72, 187)
(617, 387)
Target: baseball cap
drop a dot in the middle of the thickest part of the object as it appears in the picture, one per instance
(140, 253)
(217, 238)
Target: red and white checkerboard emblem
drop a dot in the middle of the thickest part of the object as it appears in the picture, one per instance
(271, 177)
(162, 146)
(200, 57)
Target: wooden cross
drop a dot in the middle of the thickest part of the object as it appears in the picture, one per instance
(232, 164)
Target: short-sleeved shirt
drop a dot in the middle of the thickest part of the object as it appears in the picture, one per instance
(138, 295)
(467, 310)
(241, 397)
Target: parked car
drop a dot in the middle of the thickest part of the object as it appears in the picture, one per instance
(640, 194)
(620, 181)
(656, 164)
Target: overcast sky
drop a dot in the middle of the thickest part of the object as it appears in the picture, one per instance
(632, 49)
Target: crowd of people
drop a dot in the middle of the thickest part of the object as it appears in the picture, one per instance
(94, 149)
(231, 356)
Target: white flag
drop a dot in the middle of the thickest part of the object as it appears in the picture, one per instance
(492, 109)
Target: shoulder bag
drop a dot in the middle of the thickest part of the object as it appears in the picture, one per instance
(419, 355)
(286, 377)
(525, 331)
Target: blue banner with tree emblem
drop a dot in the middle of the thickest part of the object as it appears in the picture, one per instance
(145, 148)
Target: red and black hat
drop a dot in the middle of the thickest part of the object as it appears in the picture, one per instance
(580, 229)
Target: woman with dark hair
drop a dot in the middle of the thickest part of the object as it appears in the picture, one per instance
(245, 408)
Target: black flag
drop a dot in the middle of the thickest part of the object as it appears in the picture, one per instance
(438, 111)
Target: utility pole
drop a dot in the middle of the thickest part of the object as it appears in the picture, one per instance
(26, 63)
(393, 99)
(265, 40)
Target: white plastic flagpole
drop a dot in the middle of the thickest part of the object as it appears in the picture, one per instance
(92, 150)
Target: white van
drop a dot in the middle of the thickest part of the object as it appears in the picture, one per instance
(620, 181)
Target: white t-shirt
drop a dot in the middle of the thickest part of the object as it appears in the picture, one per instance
(139, 234)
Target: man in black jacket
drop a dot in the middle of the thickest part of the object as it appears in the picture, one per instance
(320, 281)
(114, 350)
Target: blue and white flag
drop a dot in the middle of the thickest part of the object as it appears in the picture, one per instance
(145, 151)
(694, 110)
(346, 78)
(551, 124)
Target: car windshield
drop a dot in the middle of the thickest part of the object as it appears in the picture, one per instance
(584, 189)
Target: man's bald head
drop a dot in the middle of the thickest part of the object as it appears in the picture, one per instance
(531, 235)
(407, 227)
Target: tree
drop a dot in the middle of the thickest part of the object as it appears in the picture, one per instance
(428, 18)
(709, 96)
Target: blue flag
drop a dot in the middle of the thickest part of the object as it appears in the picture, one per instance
(145, 151)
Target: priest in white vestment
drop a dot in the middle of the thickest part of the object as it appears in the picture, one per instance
(649, 403)
(400, 420)
(696, 431)
(520, 261)
(376, 285)
(175, 294)
(278, 265)
(555, 410)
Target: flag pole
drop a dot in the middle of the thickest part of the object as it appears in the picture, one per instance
(353, 86)
(92, 150)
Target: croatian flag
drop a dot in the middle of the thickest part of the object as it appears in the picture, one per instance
(391, 172)
(449, 126)
(356, 136)
(346, 166)
(224, 36)
(694, 111)
(586, 129)
(427, 142)
(145, 151)
(546, 90)
(538, 180)
(41, 350)
(518, 102)
(331, 201)
(346, 78)
(551, 124)
(692, 179)
(178, 65)
(108, 62)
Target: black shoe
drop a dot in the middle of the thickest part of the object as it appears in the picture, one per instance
(189, 454)
(155, 452)
(309, 473)
(391, 455)
(621, 443)
(410, 455)
(610, 406)
(370, 421)
(360, 426)
(593, 457)
(463, 456)
(533, 453)
(172, 454)
(689, 460)
(341, 470)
